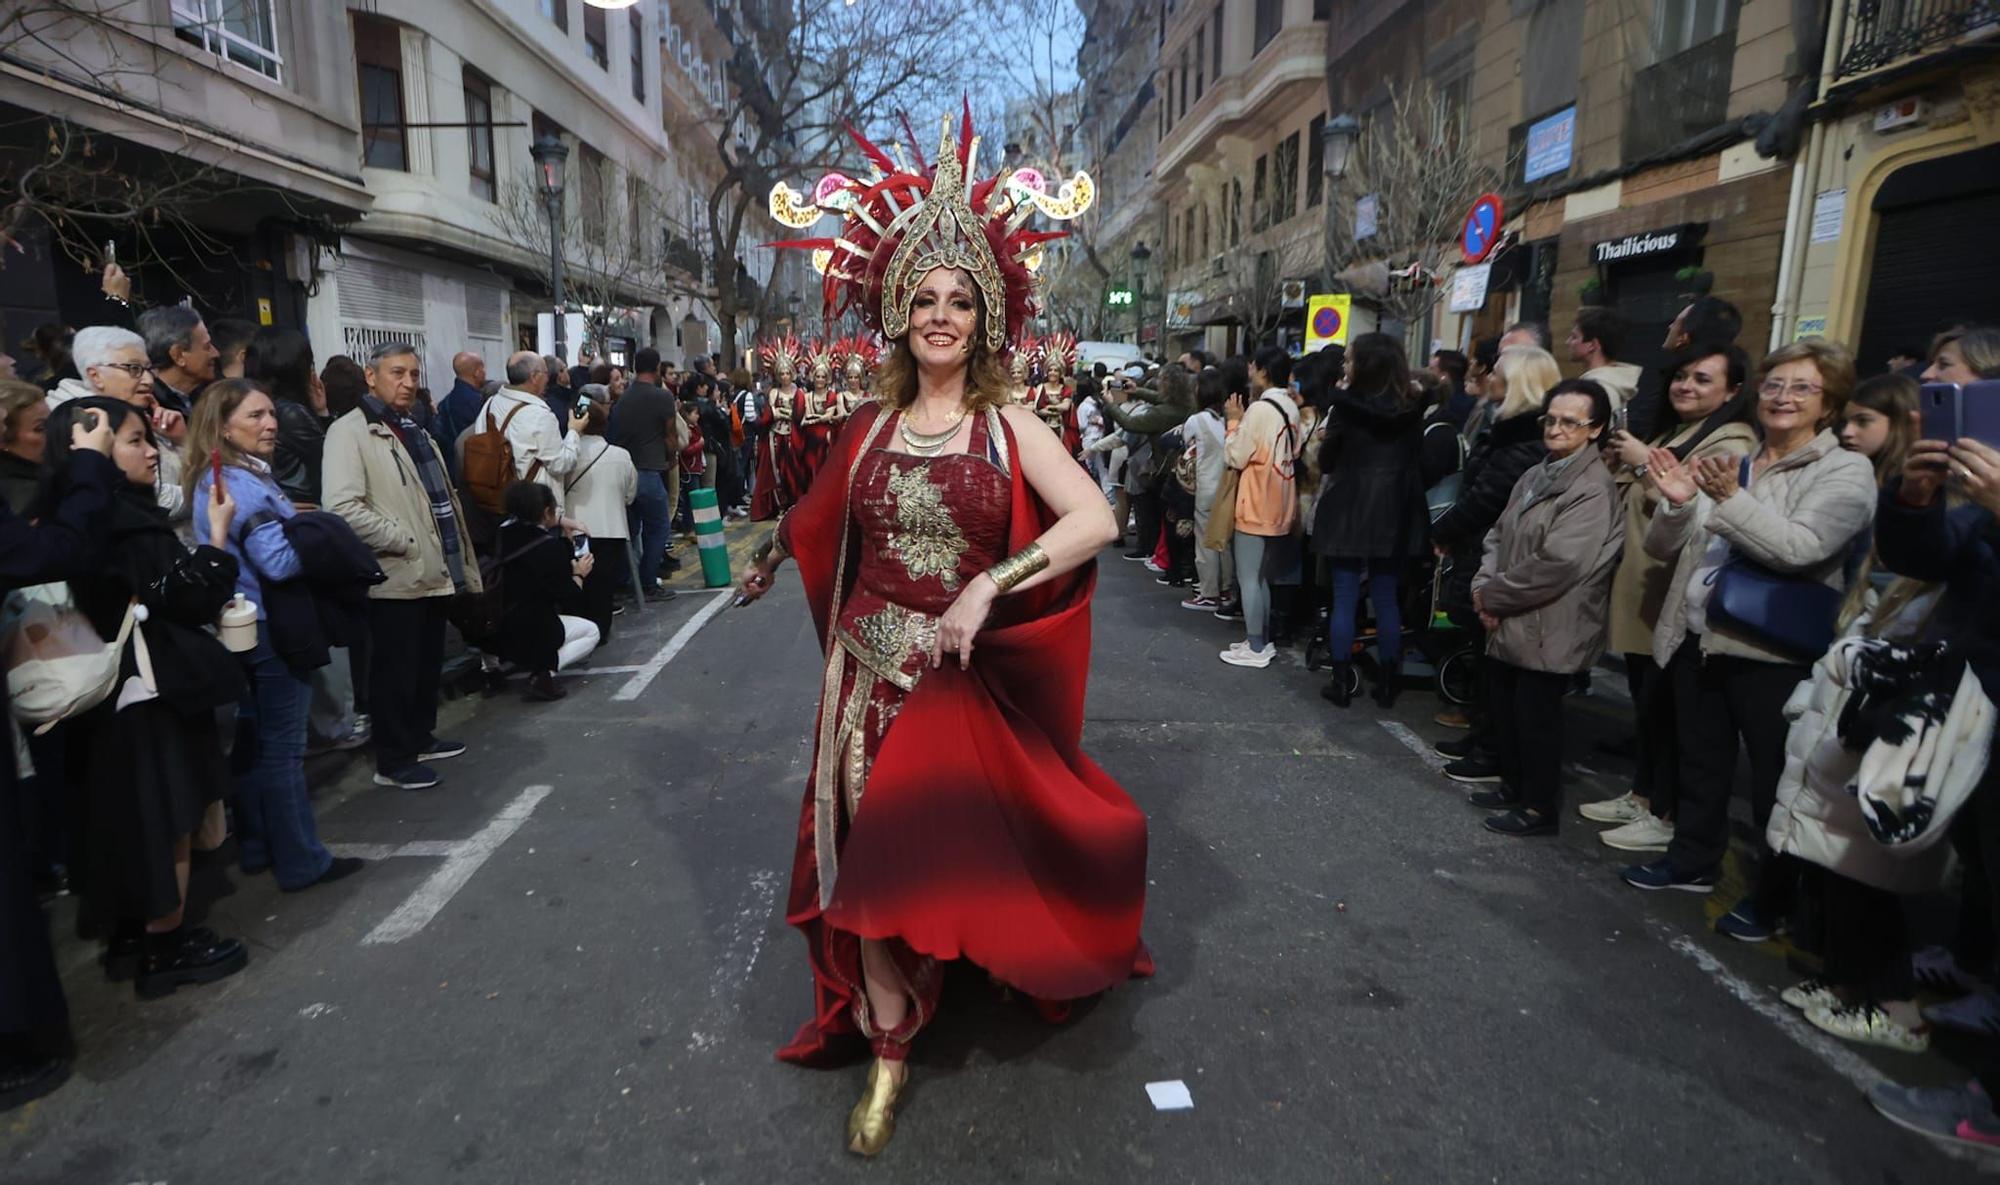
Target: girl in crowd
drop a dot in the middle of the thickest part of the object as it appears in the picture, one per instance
(1264, 444)
(1370, 520)
(1713, 416)
(274, 816)
(153, 760)
(1793, 508)
(1516, 387)
(1878, 422)
(1542, 596)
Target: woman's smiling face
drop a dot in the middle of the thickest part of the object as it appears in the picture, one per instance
(944, 316)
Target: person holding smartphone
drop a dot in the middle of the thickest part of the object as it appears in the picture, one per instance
(545, 628)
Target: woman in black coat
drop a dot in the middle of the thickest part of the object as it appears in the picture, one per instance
(541, 587)
(35, 1042)
(1370, 518)
(281, 362)
(151, 754)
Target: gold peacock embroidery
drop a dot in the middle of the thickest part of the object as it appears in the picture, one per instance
(926, 539)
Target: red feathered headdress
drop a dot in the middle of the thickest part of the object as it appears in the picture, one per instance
(780, 355)
(906, 221)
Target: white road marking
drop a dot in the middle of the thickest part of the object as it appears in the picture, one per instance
(1414, 744)
(432, 848)
(466, 856)
(644, 676)
(1837, 1057)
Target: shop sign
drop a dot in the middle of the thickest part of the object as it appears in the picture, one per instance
(1366, 217)
(1180, 309)
(1829, 211)
(1650, 242)
(1550, 144)
(1468, 288)
(1327, 315)
(1809, 327)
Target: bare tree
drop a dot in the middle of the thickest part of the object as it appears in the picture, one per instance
(1416, 158)
(1252, 280)
(801, 71)
(78, 185)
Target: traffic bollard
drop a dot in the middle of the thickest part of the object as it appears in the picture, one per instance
(708, 537)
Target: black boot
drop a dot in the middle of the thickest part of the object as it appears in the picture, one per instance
(1388, 684)
(187, 956)
(1337, 690)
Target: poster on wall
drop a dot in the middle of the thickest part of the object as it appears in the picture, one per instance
(1468, 288)
(1829, 211)
(1549, 146)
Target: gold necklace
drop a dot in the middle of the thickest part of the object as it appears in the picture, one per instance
(928, 444)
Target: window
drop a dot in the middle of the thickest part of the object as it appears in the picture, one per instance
(1315, 161)
(638, 23)
(378, 57)
(479, 133)
(557, 11)
(1322, 9)
(1200, 39)
(1680, 25)
(1215, 47)
(1204, 230)
(1236, 212)
(1270, 18)
(596, 41)
(1260, 207)
(591, 174)
(1285, 180)
(638, 211)
(243, 31)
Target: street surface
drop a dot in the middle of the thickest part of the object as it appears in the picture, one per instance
(570, 965)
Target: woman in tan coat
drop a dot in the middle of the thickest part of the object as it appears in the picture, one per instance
(1715, 417)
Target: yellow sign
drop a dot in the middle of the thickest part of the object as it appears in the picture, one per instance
(1326, 320)
(263, 310)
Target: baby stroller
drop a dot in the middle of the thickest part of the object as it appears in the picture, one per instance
(1433, 645)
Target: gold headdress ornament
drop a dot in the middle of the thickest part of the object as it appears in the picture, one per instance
(903, 223)
(819, 362)
(1057, 347)
(856, 356)
(780, 355)
(1023, 359)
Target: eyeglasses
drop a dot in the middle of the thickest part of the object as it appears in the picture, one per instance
(1565, 423)
(1772, 389)
(135, 369)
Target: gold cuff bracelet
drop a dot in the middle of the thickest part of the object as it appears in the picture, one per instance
(1018, 567)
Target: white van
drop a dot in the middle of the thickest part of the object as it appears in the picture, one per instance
(1115, 355)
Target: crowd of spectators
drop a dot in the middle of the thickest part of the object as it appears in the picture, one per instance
(168, 484)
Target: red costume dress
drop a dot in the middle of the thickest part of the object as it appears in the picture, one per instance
(1061, 420)
(814, 440)
(764, 497)
(788, 448)
(950, 814)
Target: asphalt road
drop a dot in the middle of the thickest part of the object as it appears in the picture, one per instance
(573, 968)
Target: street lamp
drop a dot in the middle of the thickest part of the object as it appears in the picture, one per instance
(1140, 254)
(550, 153)
(1338, 137)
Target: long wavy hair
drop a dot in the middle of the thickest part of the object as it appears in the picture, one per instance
(987, 384)
(219, 401)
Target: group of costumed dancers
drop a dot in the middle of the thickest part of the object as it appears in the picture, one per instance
(800, 424)
(946, 541)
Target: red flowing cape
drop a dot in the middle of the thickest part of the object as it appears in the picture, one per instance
(984, 832)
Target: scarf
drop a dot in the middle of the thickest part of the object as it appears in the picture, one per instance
(1923, 727)
(437, 485)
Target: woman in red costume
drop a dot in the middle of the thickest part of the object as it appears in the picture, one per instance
(777, 453)
(1055, 399)
(820, 418)
(947, 555)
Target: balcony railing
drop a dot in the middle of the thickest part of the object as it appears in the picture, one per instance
(1681, 97)
(1883, 32)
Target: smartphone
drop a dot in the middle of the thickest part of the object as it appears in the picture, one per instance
(581, 545)
(1979, 412)
(215, 469)
(1938, 405)
(583, 405)
(110, 252)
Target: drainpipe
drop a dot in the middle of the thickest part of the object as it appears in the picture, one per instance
(1805, 181)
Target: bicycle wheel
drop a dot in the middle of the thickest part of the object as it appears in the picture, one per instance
(1455, 677)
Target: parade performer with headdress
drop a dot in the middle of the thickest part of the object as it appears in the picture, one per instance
(822, 414)
(1055, 399)
(1020, 364)
(777, 459)
(858, 357)
(947, 552)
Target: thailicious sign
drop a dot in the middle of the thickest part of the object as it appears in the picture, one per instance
(1650, 242)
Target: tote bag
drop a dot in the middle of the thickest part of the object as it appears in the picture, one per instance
(57, 666)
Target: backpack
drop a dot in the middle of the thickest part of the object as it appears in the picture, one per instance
(479, 617)
(486, 464)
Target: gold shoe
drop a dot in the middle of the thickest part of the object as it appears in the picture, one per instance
(873, 1119)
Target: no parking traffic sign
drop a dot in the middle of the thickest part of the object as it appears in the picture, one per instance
(1326, 320)
(1482, 228)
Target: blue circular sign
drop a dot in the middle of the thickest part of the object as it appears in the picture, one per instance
(1482, 228)
(1326, 323)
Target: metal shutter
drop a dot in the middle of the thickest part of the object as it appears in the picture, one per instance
(381, 295)
(1934, 267)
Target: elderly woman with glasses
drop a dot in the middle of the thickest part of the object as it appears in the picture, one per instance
(1543, 593)
(1793, 510)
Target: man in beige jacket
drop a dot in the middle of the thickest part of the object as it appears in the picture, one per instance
(386, 477)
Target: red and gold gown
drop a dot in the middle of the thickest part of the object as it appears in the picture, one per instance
(764, 489)
(949, 813)
(789, 447)
(814, 440)
(1061, 420)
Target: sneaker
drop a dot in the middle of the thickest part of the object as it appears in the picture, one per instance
(1809, 994)
(661, 593)
(1934, 1111)
(1976, 1013)
(1153, 567)
(1200, 603)
(1981, 1131)
(1499, 798)
(1162, 578)
(1136, 556)
(1745, 923)
(1475, 768)
(409, 777)
(1936, 969)
(439, 750)
(1457, 748)
(1626, 808)
(1452, 718)
(1243, 656)
(1230, 611)
(1870, 1025)
(1661, 874)
(1648, 834)
(1521, 823)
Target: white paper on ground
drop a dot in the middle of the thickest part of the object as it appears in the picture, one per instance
(1169, 1096)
